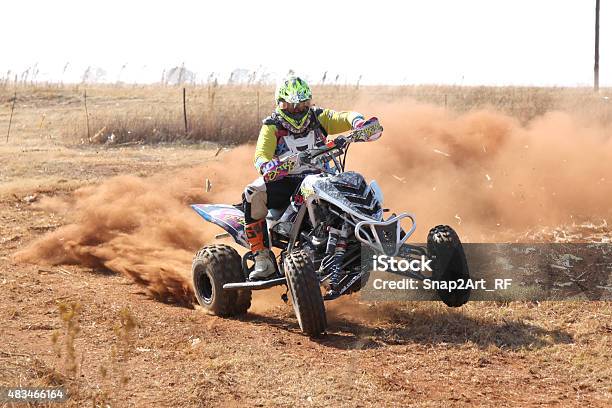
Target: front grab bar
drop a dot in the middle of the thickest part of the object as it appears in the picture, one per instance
(373, 240)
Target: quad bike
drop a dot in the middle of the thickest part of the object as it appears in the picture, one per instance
(319, 237)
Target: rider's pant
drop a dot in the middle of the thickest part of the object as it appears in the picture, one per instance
(259, 196)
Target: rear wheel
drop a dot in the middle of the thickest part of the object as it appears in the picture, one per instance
(213, 266)
(303, 284)
(448, 263)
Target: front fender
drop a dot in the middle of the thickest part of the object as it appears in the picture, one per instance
(297, 226)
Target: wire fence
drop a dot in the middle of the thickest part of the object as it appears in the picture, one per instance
(232, 114)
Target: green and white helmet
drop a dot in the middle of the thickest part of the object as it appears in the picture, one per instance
(293, 90)
(293, 97)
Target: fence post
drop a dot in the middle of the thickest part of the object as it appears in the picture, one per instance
(40, 126)
(185, 109)
(596, 66)
(258, 117)
(11, 118)
(86, 115)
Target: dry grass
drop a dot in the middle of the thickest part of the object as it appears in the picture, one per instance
(232, 114)
(69, 314)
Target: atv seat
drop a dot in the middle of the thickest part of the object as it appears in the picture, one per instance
(274, 214)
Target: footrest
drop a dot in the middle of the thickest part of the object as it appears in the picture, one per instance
(255, 285)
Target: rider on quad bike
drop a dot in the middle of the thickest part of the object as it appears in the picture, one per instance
(320, 216)
(295, 127)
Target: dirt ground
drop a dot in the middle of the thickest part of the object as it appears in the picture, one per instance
(130, 350)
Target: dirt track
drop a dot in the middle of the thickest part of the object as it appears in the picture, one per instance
(418, 354)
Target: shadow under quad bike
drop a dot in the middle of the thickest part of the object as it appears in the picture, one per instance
(320, 239)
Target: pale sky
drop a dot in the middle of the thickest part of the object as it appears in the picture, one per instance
(467, 42)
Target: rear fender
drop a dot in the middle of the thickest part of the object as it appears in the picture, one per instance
(228, 217)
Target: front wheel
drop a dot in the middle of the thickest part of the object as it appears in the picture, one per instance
(303, 284)
(213, 266)
(448, 263)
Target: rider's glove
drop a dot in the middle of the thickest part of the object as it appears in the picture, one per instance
(269, 165)
(275, 169)
(368, 130)
(369, 122)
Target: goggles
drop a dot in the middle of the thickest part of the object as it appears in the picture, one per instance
(294, 107)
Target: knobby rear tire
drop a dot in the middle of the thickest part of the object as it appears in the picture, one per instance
(213, 266)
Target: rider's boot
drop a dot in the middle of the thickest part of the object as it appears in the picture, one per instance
(264, 267)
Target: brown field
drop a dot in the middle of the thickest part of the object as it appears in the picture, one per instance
(232, 114)
(83, 217)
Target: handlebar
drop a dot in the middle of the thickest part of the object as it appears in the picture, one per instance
(367, 133)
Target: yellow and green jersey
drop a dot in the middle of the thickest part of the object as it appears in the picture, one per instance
(274, 139)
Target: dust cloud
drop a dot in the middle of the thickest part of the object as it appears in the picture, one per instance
(487, 175)
(141, 227)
